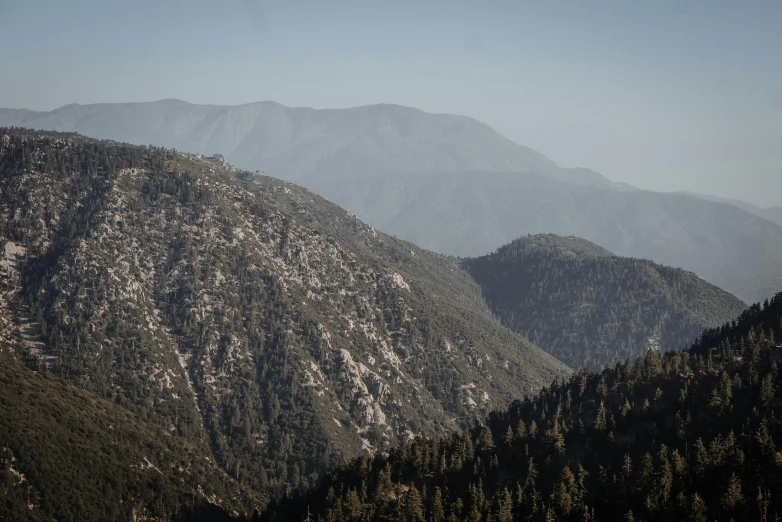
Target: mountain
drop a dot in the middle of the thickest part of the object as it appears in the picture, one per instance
(447, 183)
(588, 307)
(280, 341)
(66, 454)
(690, 436)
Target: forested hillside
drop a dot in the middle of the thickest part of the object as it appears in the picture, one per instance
(691, 435)
(588, 307)
(158, 281)
(66, 454)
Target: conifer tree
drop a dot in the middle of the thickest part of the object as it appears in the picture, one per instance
(600, 418)
(413, 506)
(437, 511)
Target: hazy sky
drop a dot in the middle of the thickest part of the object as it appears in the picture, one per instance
(666, 95)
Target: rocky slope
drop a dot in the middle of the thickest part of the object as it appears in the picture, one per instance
(166, 284)
(588, 307)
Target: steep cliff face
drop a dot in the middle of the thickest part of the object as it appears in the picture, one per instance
(182, 292)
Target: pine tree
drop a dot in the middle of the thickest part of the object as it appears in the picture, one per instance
(658, 399)
(352, 505)
(767, 391)
(664, 481)
(600, 418)
(437, 511)
(384, 485)
(521, 430)
(732, 497)
(645, 471)
(413, 506)
(697, 509)
(486, 442)
(564, 491)
(701, 459)
(504, 507)
(476, 502)
(533, 429)
(626, 408)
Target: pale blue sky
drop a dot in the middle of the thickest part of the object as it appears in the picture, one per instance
(666, 95)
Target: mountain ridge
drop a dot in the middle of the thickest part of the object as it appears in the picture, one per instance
(471, 213)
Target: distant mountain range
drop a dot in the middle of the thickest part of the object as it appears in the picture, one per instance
(590, 308)
(199, 339)
(448, 183)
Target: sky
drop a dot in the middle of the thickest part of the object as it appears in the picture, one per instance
(664, 95)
